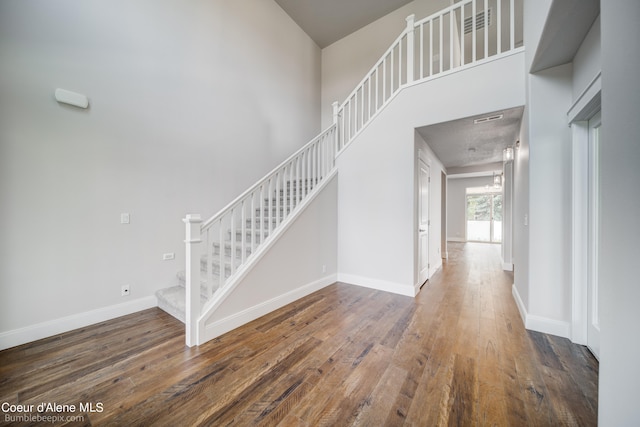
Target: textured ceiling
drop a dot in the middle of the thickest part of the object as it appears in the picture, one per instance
(461, 143)
(327, 21)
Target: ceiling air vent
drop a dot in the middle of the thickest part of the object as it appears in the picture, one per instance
(488, 119)
(480, 21)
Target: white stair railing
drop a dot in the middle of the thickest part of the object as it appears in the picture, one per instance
(234, 235)
(461, 35)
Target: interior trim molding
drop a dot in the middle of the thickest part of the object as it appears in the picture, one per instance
(587, 103)
(433, 270)
(68, 323)
(538, 323)
(457, 239)
(233, 321)
(586, 106)
(381, 285)
(519, 303)
(548, 326)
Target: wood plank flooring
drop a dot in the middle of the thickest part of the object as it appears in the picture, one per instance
(457, 354)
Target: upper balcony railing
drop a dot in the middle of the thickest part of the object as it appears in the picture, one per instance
(462, 35)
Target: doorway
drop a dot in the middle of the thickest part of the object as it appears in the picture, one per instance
(585, 120)
(483, 216)
(423, 221)
(593, 322)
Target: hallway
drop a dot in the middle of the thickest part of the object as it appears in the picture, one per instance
(521, 377)
(457, 355)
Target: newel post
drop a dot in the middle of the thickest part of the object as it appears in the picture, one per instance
(192, 280)
(410, 48)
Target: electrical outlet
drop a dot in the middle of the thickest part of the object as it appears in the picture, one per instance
(168, 256)
(125, 290)
(125, 218)
(324, 268)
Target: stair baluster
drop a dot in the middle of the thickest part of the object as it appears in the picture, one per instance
(239, 231)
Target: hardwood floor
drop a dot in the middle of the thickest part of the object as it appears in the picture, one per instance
(457, 354)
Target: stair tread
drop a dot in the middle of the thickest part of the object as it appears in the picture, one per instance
(173, 300)
(182, 278)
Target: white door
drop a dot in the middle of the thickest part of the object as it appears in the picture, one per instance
(423, 222)
(593, 322)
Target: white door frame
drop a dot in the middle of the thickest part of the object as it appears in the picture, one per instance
(423, 229)
(587, 105)
(593, 323)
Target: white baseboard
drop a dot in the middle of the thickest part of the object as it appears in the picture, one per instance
(548, 326)
(456, 239)
(381, 285)
(65, 324)
(539, 323)
(519, 304)
(433, 270)
(507, 266)
(222, 326)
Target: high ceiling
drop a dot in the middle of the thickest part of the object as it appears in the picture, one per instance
(327, 21)
(461, 143)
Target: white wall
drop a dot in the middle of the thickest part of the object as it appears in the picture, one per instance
(347, 61)
(376, 199)
(542, 191)
(534, 17)
(457, 204)
(550, 198)
(189, 104)
(587, 63)
(544, 285)
(620, 204)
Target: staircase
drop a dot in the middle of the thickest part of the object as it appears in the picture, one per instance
(222, 249)
(279, 204)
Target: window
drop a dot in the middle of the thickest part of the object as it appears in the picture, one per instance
(484, 214)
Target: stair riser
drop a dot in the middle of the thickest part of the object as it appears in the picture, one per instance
(172, 300)
(203, 285)
(283, 211)
(288, 195)
(248, 235)
(215, 265)
(304, 182)
(264, 223)
(227, 250)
